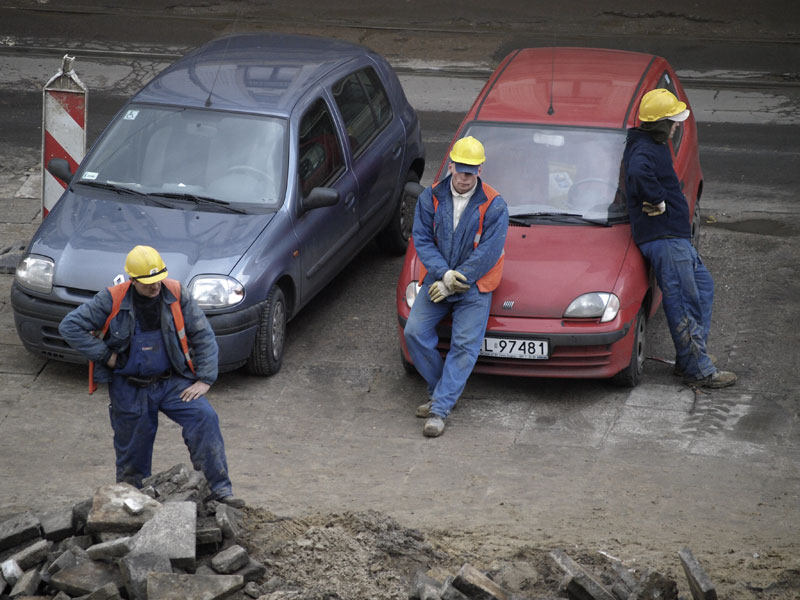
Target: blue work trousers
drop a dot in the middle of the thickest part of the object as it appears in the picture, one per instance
(134, 418)
(446, 377)
(688, 296)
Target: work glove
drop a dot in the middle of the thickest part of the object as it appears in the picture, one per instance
(651, 210)
(455, 281)
(438, 291)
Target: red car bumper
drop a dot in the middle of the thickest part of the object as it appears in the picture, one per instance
(587, 350)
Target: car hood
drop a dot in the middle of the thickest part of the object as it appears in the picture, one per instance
(89, 238)
(548, 266)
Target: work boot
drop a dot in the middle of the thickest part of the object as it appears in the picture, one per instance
(718, 379)
(434, 426)
(424, 410)
(230, 500)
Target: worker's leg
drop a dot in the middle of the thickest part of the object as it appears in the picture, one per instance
(134, 419)
(421, 338)
(201, 432)
(687, 305)
(470, 314)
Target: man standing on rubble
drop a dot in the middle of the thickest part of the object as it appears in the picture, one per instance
(460, 227)
(160, 354)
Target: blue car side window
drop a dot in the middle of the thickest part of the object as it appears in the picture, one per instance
(320, 158)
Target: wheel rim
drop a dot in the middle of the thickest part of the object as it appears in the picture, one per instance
(278, 330)
(695, 232)
(640, 344)
(407, 215)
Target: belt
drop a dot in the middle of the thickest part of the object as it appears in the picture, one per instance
(146, 381)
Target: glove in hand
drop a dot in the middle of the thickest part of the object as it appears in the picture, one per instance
(455, 281)
(652, 210)
(438, 291)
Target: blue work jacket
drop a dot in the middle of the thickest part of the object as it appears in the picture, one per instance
(650, 177)
(440, 248)
(77, 326)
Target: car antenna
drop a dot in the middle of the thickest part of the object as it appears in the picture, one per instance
(550, 110)
(224, 53)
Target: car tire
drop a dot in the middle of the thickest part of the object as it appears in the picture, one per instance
(696, 226)
(267, 353)
(393, 239)
(631, 375)
(409, 368)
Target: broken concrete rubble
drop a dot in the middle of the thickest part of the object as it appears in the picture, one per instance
(108, 512)
(699, 582)
(170, 532)
(230, 560)
(18, 529)
(125, 544)
(209, 550)
(468, 584)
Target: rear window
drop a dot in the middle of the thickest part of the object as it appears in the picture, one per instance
(364, 105)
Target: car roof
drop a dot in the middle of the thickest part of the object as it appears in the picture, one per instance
(591, 87)
(260, 72)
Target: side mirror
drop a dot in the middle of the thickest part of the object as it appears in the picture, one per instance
(319, 197)
(413, 189)
(59, 167)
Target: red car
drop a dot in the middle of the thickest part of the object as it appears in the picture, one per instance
(576, 293)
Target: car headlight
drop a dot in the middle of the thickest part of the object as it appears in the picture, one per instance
(216, 291)
(412, 289)
(592, 305)
(35, 273)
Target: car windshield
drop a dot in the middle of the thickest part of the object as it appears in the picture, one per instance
(561, 172)
(222, 159)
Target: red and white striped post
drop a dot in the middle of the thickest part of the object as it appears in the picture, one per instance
(64, 106)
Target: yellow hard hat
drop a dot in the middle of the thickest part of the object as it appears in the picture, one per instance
(468, 151)
(661, 104)
(144, 264)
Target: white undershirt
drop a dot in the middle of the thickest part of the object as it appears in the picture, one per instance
(460, 202)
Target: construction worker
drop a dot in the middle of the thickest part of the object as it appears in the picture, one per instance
(159, 354)
(460, 227)
(661, 224)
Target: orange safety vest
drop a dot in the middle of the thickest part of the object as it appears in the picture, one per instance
(491, 278)
(118, 293)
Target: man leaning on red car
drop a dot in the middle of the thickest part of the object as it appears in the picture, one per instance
(661, 227)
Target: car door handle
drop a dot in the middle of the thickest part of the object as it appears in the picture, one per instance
(350, 202)
(397, 150)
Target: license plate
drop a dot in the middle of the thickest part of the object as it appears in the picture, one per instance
(515, 348)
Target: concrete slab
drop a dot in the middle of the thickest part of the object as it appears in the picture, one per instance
(171, 586)
(170, 532)
(19, 528)
(108, 509)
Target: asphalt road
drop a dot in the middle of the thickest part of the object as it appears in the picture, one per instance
(583, 462)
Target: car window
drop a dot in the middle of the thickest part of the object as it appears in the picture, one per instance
(554, 169)
(667, 83)
(364, 105)
(320, 154)
(239, 159)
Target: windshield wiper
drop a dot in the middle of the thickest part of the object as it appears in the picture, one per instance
(560, 216)
(199, 200)
(121, 189)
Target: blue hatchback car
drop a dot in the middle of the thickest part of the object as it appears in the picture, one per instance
(258, 166)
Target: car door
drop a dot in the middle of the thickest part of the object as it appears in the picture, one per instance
(376, 140)
(327, 236)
